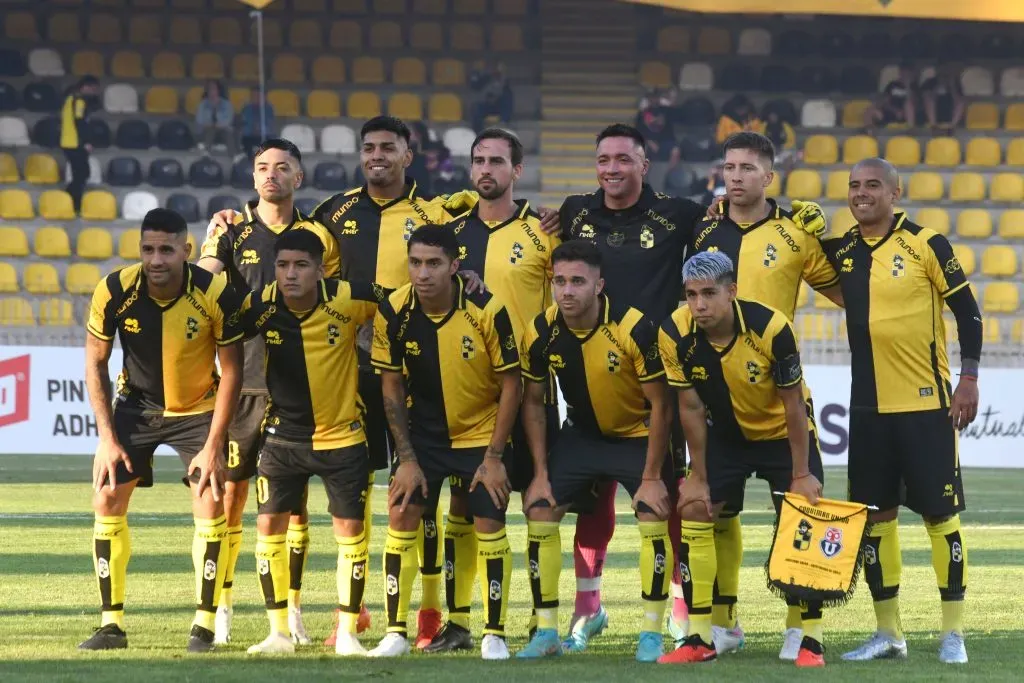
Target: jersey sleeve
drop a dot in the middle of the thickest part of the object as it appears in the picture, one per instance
(818, 271)
(101, 323)
(786, 368)
(366, 297)
(501, 341)
(218, 246)
(387, 352)
(668, 347)
(643, 348)
(533, 360)
(249, 313)
(332, 253)
(227, 315)
(944, 270)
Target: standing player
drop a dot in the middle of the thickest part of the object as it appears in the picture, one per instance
(245, 251)
(744, 412)
(904, 415)
(172, 319)
(461, 356)
(313, 426)
(605, 357)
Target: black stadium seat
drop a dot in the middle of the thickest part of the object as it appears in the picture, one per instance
(998, 46)
(186, 205)
(40, 97)
(736, 77)
(12, 64)
(98, 133)
(134, 134)
(330, 176)
(697, 111)
(958, 46)
(46, 132)
(9, 100)
(306, 205)
(124, 172)
(778, 78)
(878, 45)
(166, 173)
(174, 136)
(918, 45)
(205, 173)
(241, 174)
(816, 80)
(699, 147)
(784, 108)
(795, 44)
(857, 80)
(223, 201)
(837, 45)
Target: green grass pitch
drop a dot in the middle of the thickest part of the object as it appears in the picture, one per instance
(48, 598)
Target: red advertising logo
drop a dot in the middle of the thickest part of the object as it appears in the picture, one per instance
(14, 376)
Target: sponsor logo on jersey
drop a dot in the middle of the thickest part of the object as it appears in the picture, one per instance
(349, 227)
(412, 348)
(249, 257)
(273, 337)
(556, 361)
(132, 325)
(699, 373)
(847, 266)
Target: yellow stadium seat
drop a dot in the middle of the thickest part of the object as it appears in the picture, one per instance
(8, 169)
(284, 102)
(81, 278)
(903, 150)
(128, 245)
(1017, 331)
(821, 150)
(64, 28)
(386, 35)
(367, 71)
(305, 34)
(94, 243)
(406, 106)
(225, 31)
(186, 31)
(13, 241)
(161, 99)
(511, 7)
(925, 186)
(1011, 224)
(104, 28)
(127, 64)
(1007, 187)
(56, 205)
(16, 312)
(802, 296)
(841, 221)
(465, 37)
(427, 35)
(1000, 297)
(774, 189)
(474, 7)
(239, 97)
(42, 169)
(16, 204)
(815, 327)
(1015, 152)
(853, 113)
(363, 105)
(323, 104)
(56, 313)
(273, 34)
(965, 255)
(838, 185)
(983, 152)
(167, 66)
(967, 187)
(999, 261)
(507, 37)
(448, 73)
(713, 40)
(803, 184)
(822, 301)
(288, 69)
(8, 279)
(99, 205)
(40, 278)
(389, 6)
(193, 96)
(408, 71)
(990, 330)
(1015, 117)
(942, 152)
(52, 242)
(982, 116)
(87, 63)
(345, 35)
(655, 75)
(858, 148)
(673, 39)
(444, 108)
(328, 70)
(245, 68)
(934, 218)
(974, 224)
(207, 65)
(21, 26)
(145, 30)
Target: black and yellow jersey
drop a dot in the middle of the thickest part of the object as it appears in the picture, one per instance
(894, 288)
(513, 258)
(599, 371)
(771, 256)
(737, 383)
(452, 363)
(372, 236)
(72, 121)
(643, 246)
(246, 249)
(312, 371)
(169, 347)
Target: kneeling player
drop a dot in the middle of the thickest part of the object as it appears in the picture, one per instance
(462, 360)
(605, 358)
(744, 412)
(172, 319)
(313, 427)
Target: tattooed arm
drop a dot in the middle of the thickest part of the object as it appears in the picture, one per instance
(408, 476)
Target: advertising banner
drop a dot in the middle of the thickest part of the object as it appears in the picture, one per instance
(976, 10)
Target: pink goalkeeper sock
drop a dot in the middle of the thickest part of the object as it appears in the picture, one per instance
(679, 611)
(590, 547)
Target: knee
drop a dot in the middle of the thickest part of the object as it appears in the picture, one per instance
(883, 515)
(483, 525)
(696, 512)
(106, 504)
(348, 528)
(272, 524)
(935, 521)
(405, 521)
(458, 505)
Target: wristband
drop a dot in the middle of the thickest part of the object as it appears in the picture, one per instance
(802, 476)
(651, 479)
(973, 378)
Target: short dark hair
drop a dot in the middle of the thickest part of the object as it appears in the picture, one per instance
(281, 144)
(514, 144)
(86, 81)
(300, 240)
(389, 124)
(621, 130)
(431, 235)
(755, 142)
(164, 220)
(577, 250)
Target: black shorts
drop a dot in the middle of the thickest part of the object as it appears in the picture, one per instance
(141, 434)
(905, 459)
(458, 466)
(244, 437)
(378, 436)
(285, 470)
(730, 464)
(520, 467)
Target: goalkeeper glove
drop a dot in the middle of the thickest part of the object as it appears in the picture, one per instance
(808, 217)
(461, 202)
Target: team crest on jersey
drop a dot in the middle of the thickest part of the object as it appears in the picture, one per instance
(613, 362)
(412, 348)
(249, 257)
(899, 266)
(753, 372)
(463, 252)
(832, 542)
(410, 225)
(616, 239)
(847, 266)
(952, 265)
(332, 334)
(273, 337)
(510, 342)
(646, 237)
(349, 227)
(191, 328)
(132, 325)
(771, 255)
(802, 537)
(517, 254)
(587, 231)
(468, 348)
(556, 361)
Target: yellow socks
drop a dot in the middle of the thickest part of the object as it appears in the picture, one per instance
(655, 572)
(209, 550)
(112, 547)
(811, 621)
(794, 614)
(949, 559)
(883, 566)
(494, 565)
(272, 570)
(460, 549)
(400, 568)
(231, 559)
(298, 548)
(353, 555)
(429, 552)
(698, 566)
(729, 552)
(544, 563)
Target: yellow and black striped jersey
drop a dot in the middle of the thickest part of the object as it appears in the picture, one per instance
(72, 121)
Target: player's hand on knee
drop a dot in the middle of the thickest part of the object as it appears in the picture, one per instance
(694, 498)
(220, 222)
(549, 220)
(210, 463)
(538, 490)
(964, 406)
(653, 494)
(104, 466)
(491, 473)
(807, 486)
(407, 480)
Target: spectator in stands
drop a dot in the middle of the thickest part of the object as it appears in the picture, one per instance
(714, 187)
(215, 119)
(783, 136)
(496, 96)
(81, 100)
(654, 124)
(445, 176)
(250, 134)
(738, 114)
(419, 138)
(943, 100)
(896, 103)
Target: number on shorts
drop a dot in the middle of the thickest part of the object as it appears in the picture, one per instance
(233, 458)
(262, 490)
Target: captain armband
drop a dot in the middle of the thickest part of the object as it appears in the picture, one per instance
(787, 371)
